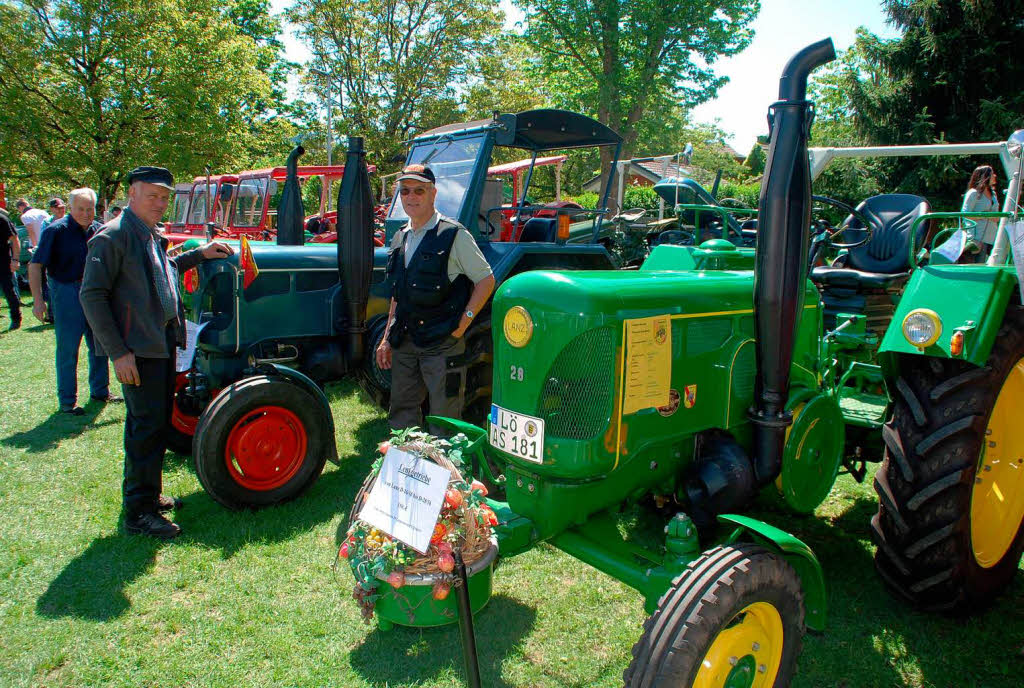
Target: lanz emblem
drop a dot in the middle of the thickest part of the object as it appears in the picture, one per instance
(690, 397)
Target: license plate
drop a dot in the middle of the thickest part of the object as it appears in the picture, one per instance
(517, 434)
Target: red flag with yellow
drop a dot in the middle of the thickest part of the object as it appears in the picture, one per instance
(248, 264)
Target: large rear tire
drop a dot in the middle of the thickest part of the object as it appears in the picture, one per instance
(374, 380)
(734, 617)
(479, 371)
(262, 441)
(951, 485)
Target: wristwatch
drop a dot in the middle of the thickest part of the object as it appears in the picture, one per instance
(470, 314)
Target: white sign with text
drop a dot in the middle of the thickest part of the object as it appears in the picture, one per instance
(406, 499)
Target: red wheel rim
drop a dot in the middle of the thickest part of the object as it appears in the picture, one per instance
(266, 448)
(182, 422)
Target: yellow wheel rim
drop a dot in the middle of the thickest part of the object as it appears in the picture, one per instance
(747, 652)
(997, 499)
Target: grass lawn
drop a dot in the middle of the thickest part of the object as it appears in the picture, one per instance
(250, 598)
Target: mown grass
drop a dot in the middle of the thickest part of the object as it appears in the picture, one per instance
(251, 599)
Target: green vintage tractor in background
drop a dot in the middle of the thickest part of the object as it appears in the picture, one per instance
(672, 395)
(252, 411)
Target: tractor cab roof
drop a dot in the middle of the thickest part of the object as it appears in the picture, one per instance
(535, 130)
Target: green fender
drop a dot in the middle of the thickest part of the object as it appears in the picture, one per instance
(967, 298)
(313, 388)
(797, 554)
(477, 446)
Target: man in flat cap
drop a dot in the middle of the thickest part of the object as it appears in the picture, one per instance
(440, 281)
(131, 299)
(61, 253)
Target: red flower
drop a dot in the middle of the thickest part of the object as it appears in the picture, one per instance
(478, 486)
(439, 533)
(453, 498)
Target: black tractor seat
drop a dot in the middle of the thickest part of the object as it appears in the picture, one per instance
(872, 278)
(884, 261)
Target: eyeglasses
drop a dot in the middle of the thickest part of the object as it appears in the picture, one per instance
(418, 191)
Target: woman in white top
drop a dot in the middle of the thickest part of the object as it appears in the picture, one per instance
(981, 197)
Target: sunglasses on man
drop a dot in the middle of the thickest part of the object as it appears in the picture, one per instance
(418, 191)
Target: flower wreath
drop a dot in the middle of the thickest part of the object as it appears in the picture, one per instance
(465, 522)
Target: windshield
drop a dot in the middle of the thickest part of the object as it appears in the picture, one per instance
(452, 161)
(197, 213)
(249, 202)
(179, 209)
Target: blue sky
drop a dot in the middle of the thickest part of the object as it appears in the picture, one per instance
(781, 28)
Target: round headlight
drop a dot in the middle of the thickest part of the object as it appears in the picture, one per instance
(922, 327)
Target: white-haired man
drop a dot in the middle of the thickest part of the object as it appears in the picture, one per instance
(61, 252)
(130, 296)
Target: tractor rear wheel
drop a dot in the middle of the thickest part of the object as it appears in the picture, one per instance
(375, 381)
(479, 371)
(951, 485)
(734, 617)
(262, 441)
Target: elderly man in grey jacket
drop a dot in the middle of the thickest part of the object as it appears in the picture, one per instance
(131, 300)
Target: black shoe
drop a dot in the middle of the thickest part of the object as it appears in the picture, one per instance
(165, 503)
(73, 410)
(109, 399)
(153, 525)
(14, 326)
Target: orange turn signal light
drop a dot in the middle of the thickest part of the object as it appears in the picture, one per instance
(563, 227)
(956, 343)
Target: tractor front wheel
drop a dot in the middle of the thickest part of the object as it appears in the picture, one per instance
(951, 486)
(734, 617)
(262, 441)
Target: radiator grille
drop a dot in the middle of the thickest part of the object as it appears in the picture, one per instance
(576, 400)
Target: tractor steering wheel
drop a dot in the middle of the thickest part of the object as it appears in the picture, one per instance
(867, 226)
(491, 229)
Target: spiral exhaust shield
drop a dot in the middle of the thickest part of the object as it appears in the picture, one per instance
(290, 215)
(355, 245)
(779, 273)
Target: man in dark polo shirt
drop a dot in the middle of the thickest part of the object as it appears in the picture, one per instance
(61, 251)
(10, 249)
(130, 296)
(440, 280)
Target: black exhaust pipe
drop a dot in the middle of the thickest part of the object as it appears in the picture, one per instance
(355, 245)
(784, 216)
(290, 214)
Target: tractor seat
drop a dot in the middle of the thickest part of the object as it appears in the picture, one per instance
(539, 229)
(884, 261)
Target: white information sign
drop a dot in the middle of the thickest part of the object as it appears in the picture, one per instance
(185, 356)
(406, 499)
(953, 247)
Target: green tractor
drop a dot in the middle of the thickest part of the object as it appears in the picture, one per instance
(686, 387)
(681, 389)
(251, 410)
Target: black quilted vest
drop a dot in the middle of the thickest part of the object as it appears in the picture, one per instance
(428, 306)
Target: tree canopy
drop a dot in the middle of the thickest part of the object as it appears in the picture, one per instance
(625, 60)
(400, 65)
(951, 76)
(95, 87)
